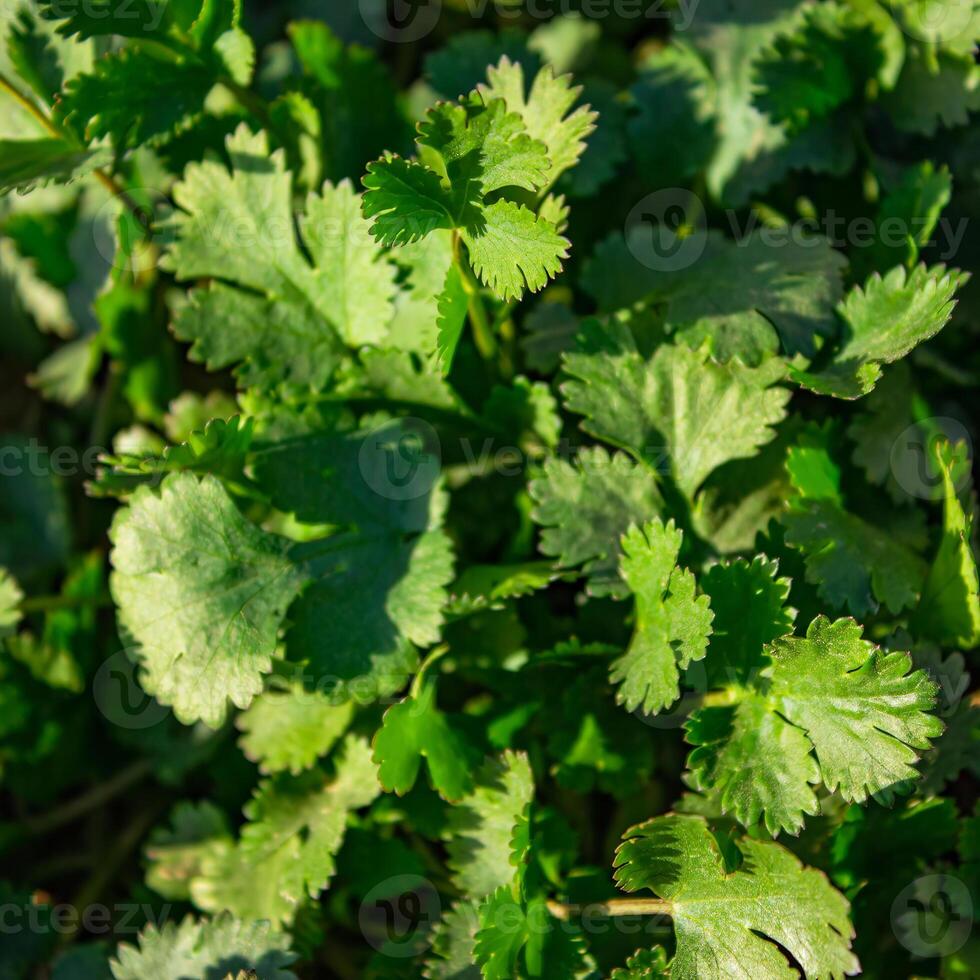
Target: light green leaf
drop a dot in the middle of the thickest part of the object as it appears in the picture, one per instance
(202, 592)
(545, 111)
(672, 622)
(515, 249)
(174, 854)
(586, 506)
(730, 926)
(862, 709)
(949, 610)
(678, 409)
(287, 728)
(481, 827)
(205, 950)
(295, 826)
(413, 730)
(269, 307)
(883, 321)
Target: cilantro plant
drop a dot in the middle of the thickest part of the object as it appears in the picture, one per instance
(486, 491)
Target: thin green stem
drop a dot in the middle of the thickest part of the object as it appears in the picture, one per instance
(612, 908)
(436, 654)
(483, 335)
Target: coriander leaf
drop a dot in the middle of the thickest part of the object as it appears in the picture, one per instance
(452, 305)
(481, 826)
(544, 111)
(288, 728)
(295, 826)
(201, 592)
(934, 90)
(749, 606)
(882, 322)
(356, 279)
(174, 854)
(373, 600)
(644, 964)
(949, 609)
(454, 938)
(730, 925)
(205, 950)
(746, 299)
(586, 506)
(413, 730)
(758, 765)
(25, 164)
(406, 200)
(853, 563)
(862, 709)
(269, 307)
(219, 449)
(678, 405)
(515, 248)
(826, 60)
(135, 98)
(672, 623)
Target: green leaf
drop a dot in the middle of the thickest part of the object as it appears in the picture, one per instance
(101, 18)
(413, 730)
(828, 59)
(860, 712)
(135, 98)
(862, 709)
(280, 315)
(731, 925)
(749, 606)
(356, 280)
(544, 110)
(644, 964)
(294, 827)
(10, 598)
(219, 449)
(452, 305)
(25, 164)
(406, 200)
(587, 506)
(883, 321)
(949, 609)
(934, 91)
(672, 622)
(175, 853)
(204, 950)
(853, 563)
(747, 299)
(515, 249)
(287, 728)
(481, 826)
(202, 593)
(375, 598)
(677, 407)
